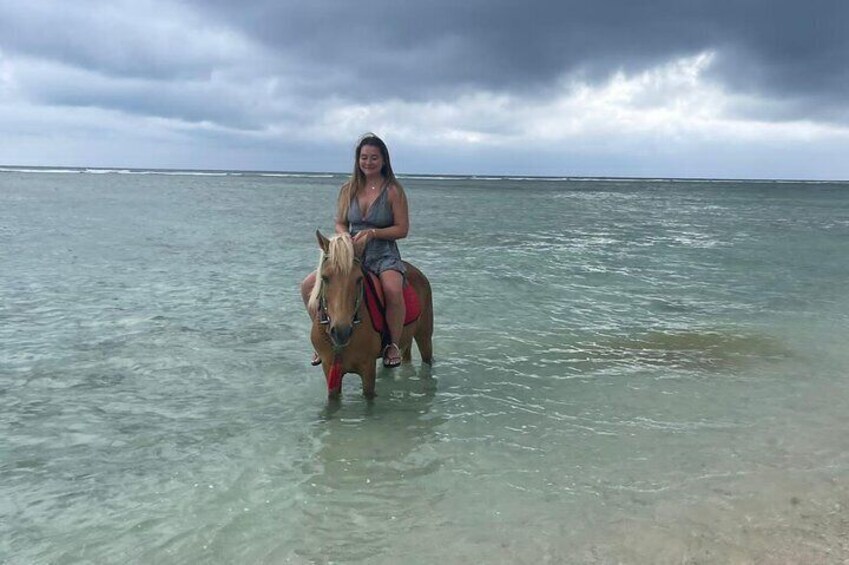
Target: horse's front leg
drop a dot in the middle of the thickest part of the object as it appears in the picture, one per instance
(334, 393)
(368, 374)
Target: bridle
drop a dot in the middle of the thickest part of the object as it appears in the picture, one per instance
(324, 315)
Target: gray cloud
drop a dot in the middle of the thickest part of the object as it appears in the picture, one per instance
(112, 39)
(242, 75)
(781, 48)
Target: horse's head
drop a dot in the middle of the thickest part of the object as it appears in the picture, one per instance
(338, 290)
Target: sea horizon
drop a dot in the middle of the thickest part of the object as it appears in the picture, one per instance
(67, 169)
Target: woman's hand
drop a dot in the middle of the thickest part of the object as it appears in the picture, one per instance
(364, 236)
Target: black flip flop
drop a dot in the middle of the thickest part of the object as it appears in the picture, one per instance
(390, 364)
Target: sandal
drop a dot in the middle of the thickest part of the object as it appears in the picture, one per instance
(390, 361)
(316, 360)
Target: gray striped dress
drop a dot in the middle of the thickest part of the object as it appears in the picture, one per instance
(380, 254)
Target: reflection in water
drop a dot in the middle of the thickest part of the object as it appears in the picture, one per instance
(367, 469)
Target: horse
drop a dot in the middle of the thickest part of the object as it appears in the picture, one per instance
(343, 334)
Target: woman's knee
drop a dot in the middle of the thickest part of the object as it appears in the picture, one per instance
(307, 283)
(394, 297)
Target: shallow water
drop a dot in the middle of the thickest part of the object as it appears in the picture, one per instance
(626, 371)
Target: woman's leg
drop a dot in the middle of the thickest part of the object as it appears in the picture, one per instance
(306, 289)
(393, 293)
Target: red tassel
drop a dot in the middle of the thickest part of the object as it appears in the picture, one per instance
(334, 378)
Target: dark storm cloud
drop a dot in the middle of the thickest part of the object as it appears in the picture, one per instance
(791, 54)
(775, 48)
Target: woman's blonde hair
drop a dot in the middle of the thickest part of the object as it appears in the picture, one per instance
(357, 182)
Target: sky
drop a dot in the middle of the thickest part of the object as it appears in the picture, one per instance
(663, 88)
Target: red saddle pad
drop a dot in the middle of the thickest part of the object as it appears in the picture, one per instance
(376, 307)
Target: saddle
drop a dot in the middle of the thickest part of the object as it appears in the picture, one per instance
(377, 306)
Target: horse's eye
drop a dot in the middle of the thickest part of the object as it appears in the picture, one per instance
(359, 280)
(325, 279)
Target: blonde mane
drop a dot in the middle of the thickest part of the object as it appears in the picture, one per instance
(340, 258)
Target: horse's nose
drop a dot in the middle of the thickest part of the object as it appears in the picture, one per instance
(341, 334)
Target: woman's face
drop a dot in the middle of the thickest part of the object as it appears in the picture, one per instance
(371, 161)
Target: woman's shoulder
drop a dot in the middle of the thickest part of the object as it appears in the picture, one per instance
(394, 190)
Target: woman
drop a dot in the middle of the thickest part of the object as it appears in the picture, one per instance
(372, 207)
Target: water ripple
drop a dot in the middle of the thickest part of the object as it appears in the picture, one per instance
(607, 353)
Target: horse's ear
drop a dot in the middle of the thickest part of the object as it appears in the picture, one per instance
(323, 242)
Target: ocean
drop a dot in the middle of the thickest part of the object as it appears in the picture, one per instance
(626, 371)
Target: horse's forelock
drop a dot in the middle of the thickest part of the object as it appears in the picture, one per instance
(340, 254)
(339, 257)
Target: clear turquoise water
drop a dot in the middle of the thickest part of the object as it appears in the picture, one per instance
(626, 371)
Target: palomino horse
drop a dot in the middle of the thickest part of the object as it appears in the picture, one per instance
(342, 333)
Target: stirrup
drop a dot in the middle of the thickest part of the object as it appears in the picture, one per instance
(386, 362)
